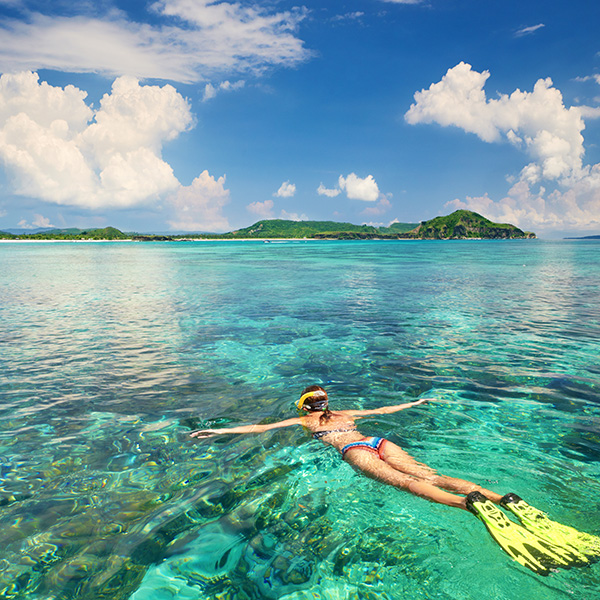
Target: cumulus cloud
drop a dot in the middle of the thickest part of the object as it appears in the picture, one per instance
(57, 148)
(198, 207)
(263, 209)
(286, 190)
(211, 91)
(329, 192)
(528, 30)
(191, 41)
(378, 209)
(536, 122)
(38, 221)
(293, 216)
(357, 188)
(576, 207)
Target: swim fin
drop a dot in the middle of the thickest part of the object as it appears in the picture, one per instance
(528, 549)
(538, 522)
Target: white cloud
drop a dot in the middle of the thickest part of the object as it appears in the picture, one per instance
(576, 207)
(211, 91)
(198, 207)
(351, 16)
(595, 77)
(359, 189)
(379, 209)
(404, 1)
(192, 41)
(528, 30)
(330, 193)
(293, 216)
(40, 221)
(286, 190)
(538, 123)
(262, 209)
(56, 148)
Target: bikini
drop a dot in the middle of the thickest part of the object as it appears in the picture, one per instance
(371, 444)
(317, 435)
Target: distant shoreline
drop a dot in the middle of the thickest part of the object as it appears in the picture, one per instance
(16, 241)
(187, 240)
(257, 240)
(460, 225)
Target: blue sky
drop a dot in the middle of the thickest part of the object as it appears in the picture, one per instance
(192, 115)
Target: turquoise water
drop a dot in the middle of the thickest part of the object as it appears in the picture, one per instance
(111, 352)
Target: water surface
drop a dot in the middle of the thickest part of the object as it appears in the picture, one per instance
(110, 353)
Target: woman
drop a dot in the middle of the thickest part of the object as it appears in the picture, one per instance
(541, 545)
(376, 457)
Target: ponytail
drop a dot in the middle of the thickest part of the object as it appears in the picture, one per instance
(327, 414)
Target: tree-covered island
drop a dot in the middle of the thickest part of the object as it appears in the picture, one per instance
(460, 225)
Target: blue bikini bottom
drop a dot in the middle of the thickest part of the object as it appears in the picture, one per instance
(371, 444)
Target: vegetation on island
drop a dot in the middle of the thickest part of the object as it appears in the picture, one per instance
(465, 224)
(461, 224)
(279, 228)
(106, 233)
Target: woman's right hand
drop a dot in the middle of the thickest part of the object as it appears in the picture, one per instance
(421, 401)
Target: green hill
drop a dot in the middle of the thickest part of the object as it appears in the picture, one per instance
(398, 228)
(462, 224)
(279, 228)
(465, 224)
(105, 233)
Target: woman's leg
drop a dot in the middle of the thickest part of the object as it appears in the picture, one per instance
(372, 466)
(400, 460)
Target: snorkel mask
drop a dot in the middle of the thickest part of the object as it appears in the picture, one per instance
(320, 404)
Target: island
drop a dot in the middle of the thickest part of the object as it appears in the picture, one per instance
(466, 224)
(460, 225)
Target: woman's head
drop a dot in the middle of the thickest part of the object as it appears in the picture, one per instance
(313, 398)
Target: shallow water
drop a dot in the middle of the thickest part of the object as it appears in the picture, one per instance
(110, 353)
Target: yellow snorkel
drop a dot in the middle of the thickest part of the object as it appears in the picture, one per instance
(313, 394)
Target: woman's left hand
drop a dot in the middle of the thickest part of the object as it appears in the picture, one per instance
(203, 433)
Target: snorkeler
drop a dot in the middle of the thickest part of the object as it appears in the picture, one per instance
(540, 544)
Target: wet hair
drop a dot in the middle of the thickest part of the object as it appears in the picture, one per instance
(318, 403)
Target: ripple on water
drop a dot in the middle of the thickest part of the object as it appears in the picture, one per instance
(111, 353)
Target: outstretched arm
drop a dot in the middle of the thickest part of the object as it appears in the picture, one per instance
(386, 410)
(245, 428)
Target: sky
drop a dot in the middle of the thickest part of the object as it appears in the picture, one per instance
(200, 115)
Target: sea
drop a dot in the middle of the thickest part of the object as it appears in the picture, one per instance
(112, 353)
